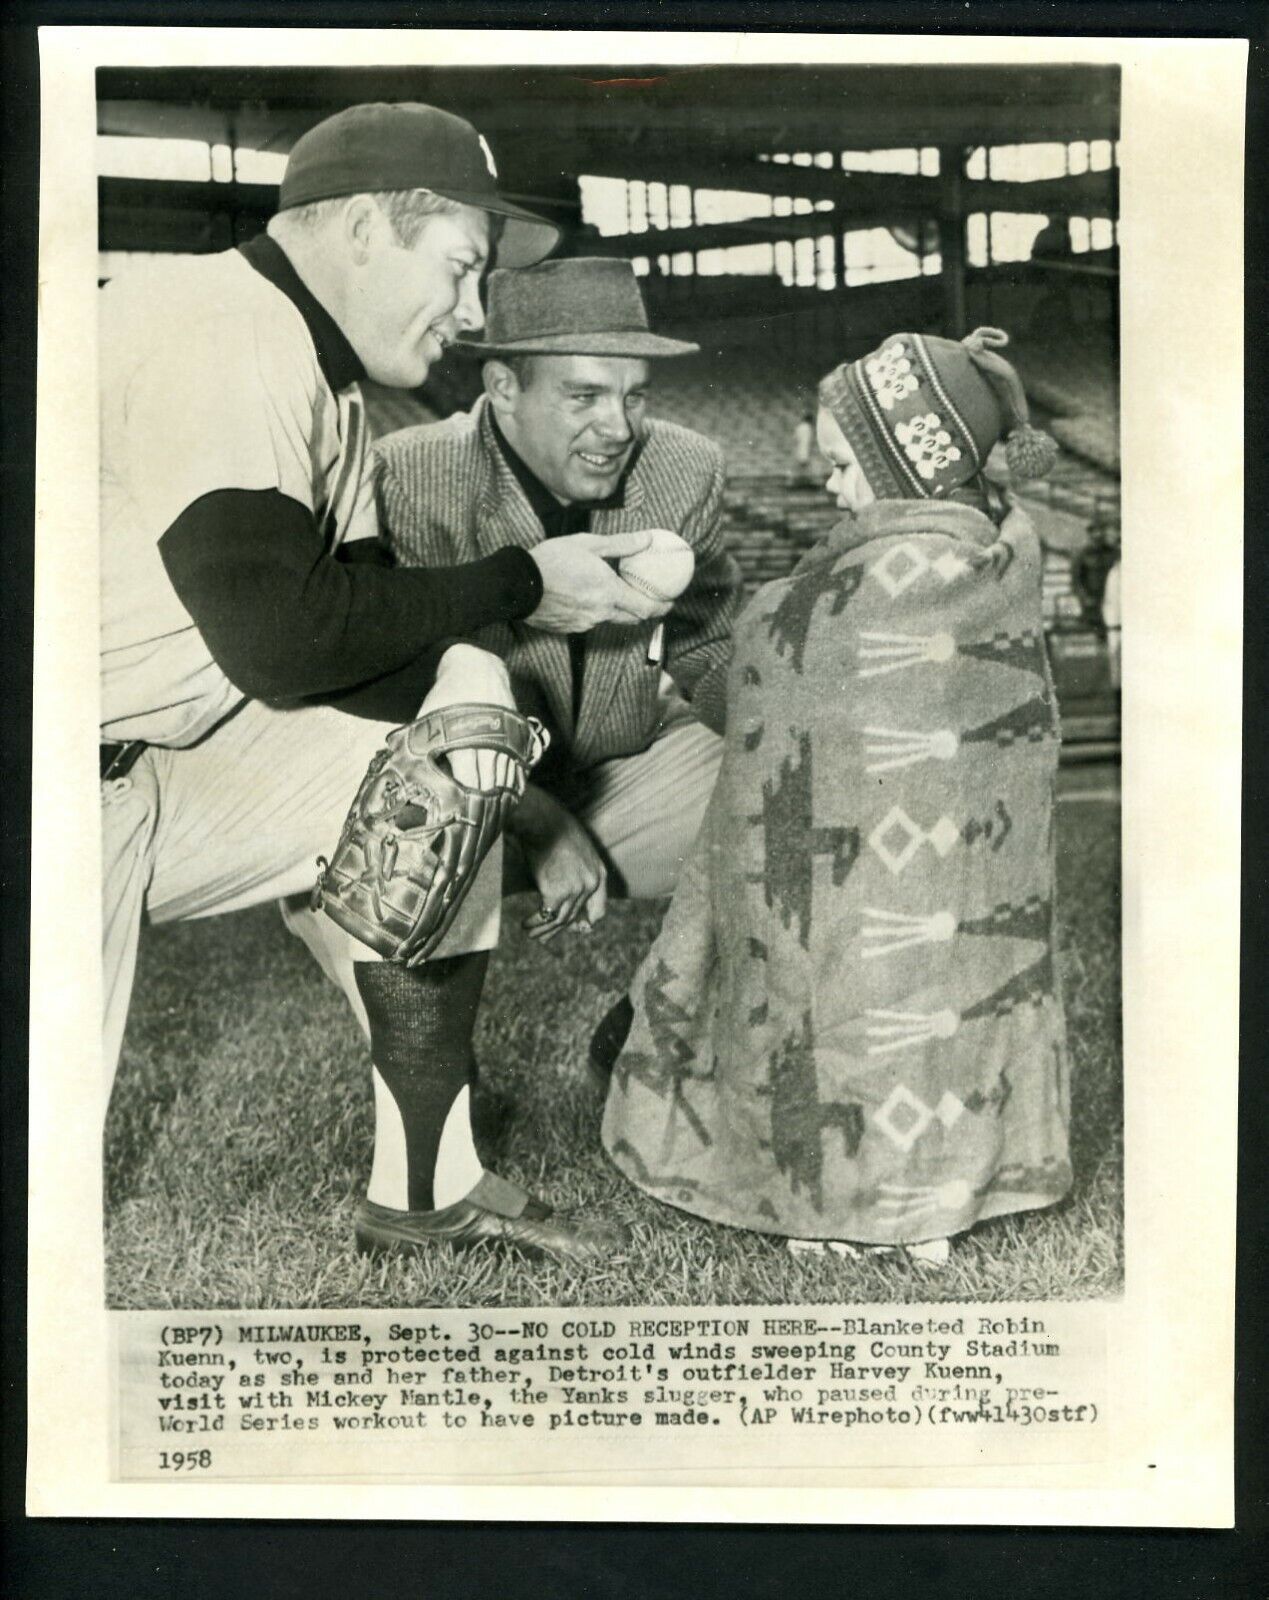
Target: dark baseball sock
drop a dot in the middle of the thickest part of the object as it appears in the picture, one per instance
(421, 1022)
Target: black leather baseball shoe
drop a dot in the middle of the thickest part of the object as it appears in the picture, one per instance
(537, 1231)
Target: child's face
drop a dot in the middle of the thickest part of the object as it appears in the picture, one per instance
(846, 483)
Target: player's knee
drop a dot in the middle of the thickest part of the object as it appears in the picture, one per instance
(466, 672)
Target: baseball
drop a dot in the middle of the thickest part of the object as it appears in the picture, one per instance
(664, 569)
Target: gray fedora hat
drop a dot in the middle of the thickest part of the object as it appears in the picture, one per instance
(587, 306)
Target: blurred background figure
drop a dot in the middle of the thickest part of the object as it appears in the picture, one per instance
(1110, 621)
(1095, 580)
(803, 447)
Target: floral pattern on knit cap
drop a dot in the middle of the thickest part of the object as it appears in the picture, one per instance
(927, 443)
(891, 376)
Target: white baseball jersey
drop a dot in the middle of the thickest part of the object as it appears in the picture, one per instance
(210, 380)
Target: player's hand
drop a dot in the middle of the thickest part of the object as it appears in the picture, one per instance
(580, 590)
(570, 876)
(466, 675)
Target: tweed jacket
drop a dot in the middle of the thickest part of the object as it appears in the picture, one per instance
(446, 496)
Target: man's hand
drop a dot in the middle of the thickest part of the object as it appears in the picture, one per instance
(571, 879)
(580, 590)
(469, 674)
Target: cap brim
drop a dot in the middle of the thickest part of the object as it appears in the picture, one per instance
(639, 345)
(526, 238)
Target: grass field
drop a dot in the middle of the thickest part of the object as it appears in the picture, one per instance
(240, 1130)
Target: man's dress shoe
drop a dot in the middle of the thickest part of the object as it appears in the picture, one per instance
(537, 1231)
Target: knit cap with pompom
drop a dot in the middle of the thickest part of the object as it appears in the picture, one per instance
(923, 413)
(1029, 453)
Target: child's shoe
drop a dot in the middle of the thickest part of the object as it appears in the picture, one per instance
(929, 1255)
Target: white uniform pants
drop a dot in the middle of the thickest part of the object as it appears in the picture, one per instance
(236, 820)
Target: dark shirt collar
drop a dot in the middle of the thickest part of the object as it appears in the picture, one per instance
(338, 360)
(546, 508)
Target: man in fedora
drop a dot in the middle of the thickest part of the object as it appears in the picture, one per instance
(560, 447)
(235, 497)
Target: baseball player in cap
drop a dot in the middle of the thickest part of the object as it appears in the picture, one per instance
(252, 659)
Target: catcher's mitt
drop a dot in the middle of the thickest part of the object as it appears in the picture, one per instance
(415, 836)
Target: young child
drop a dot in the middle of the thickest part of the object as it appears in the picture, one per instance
(849, 1029)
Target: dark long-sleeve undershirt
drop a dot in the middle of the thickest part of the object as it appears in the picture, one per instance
(285, 620)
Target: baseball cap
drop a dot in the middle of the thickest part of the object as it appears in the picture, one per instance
(406, 145)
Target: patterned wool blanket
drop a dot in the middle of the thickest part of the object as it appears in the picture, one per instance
(850, 1025)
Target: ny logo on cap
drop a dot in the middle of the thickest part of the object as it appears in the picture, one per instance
(489, 160)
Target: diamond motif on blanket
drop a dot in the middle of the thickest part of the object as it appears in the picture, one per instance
(949, 1110)
(896, 838)
(899, 568)
(903, 1118)
(950, 566)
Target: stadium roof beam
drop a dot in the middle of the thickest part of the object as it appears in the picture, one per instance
(124, 198)
(180, 214)
(727, 309)
(871, 193)
(151, 213)
(154, 214)
(585, 109)
(1085, 194)
(726, 235)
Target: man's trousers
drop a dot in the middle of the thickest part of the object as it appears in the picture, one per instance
(239, 819)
